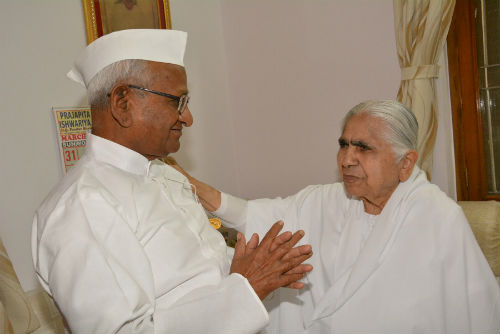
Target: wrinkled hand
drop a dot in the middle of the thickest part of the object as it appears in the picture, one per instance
(274, 262)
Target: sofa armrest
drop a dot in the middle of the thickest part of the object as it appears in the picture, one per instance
(484, 219)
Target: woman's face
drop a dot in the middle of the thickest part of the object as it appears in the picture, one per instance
(366, 161)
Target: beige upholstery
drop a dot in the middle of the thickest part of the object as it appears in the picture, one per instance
(20, 312)
(16, 313)
(5, 325)
(50, 319)
(484, 219)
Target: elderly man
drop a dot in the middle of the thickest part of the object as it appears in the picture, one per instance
(122, 243)
(394, 253)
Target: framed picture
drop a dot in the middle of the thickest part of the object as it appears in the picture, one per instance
(105, 16)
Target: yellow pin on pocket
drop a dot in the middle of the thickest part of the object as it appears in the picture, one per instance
(215, 222)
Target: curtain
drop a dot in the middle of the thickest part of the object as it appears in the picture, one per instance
(421, 30)
(16, 313)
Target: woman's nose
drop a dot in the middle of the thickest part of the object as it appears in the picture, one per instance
(349, 157)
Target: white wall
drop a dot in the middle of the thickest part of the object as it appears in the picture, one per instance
(39, 41)
(295, 68)
(270, 82)
(206, 149)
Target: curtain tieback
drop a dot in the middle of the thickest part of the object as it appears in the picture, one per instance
(420, 72)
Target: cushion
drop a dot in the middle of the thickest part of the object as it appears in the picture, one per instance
(15, 303)
(484, 219)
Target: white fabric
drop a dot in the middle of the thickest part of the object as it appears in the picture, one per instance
(124, 246)
(161, 45)
(420, 269)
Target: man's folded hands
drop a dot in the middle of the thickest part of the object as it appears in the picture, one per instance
(273, 263)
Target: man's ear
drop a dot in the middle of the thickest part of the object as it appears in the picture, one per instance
(407, 163)
(120, 105)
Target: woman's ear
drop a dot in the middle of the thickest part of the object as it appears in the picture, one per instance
(120, 105)
(407, 163)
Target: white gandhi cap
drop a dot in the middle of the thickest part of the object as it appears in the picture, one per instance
(161, 45)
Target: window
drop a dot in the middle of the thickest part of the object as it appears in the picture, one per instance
(473, 58)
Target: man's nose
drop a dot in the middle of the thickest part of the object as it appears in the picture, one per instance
(186, 117)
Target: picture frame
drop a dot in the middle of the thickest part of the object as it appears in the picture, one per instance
(105, 16)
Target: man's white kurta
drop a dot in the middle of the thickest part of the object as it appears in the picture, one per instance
(414, 268)
(123, 245)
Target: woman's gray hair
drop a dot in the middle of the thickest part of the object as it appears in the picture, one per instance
(133, 71)
(401, 124)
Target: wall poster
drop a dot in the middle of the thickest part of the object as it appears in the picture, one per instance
(73, 125)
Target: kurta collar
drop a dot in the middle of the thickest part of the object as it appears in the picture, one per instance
(116, 155)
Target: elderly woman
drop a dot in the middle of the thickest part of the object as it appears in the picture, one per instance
(392, 252)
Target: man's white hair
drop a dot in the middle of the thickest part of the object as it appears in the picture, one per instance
(132, 71)
(401, 124)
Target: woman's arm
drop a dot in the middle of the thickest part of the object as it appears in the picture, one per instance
(209, 197)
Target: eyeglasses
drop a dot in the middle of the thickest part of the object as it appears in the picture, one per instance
(182, 101)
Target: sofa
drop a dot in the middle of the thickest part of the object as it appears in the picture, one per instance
(35, 312)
